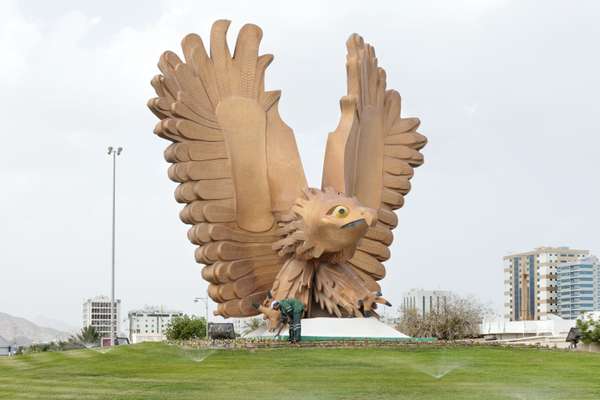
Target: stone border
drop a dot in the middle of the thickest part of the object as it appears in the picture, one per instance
(250, 344)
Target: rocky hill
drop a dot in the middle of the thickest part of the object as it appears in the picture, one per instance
(20, 331)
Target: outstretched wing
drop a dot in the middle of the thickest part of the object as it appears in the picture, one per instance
(372, 153)
(235, 159)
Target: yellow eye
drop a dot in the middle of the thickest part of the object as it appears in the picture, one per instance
(340, 212)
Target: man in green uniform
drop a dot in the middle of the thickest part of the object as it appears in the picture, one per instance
(291, 312)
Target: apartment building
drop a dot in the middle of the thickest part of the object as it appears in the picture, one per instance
(530, 281)
(96, 313)
(578, 290)
(597, 286)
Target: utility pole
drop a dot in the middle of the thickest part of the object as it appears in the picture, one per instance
(114, 153)
(205, 300)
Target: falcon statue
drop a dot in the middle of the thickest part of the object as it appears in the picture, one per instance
(261, 232)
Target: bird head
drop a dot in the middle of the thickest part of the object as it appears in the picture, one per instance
(325, 224)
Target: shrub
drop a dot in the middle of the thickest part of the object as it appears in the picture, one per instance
(186, 327)
(459, 319)
(41, 347)
(87, 336)
(589, 328)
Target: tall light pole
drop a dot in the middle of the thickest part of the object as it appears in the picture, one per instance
(205, 300)
(114, 153)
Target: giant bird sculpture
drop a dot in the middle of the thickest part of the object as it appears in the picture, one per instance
(261, 232)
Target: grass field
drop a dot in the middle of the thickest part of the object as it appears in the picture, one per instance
(160, 371)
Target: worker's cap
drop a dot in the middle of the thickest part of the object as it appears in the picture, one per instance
(274, 304)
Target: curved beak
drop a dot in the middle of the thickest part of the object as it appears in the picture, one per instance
(354, 223)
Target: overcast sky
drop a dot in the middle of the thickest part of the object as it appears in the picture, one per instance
(507, 92)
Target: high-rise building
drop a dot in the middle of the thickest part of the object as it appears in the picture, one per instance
(150, 323)
(424, 301)
(597, 287)
(578, 289)
(530, 281)
(96, 313)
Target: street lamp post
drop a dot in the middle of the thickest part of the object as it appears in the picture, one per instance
(205, 300)
(114, 153)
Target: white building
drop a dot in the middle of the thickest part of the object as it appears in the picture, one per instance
(550, 330)
(424, 301)
(150, 324)
(96, 313)
(549, 326)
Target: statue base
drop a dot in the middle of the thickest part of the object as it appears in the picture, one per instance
(337, 329)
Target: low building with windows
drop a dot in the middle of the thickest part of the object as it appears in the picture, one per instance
(150, 324)
(577, 284)
(549, 330)
(424, 301)
(96, 313)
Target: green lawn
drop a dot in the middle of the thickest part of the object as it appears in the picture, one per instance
(159, 371)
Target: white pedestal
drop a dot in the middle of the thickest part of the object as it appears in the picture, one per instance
(338, 329)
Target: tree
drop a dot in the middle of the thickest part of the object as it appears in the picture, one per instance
(186, 327)
(459, 319)
(88, 335)
(589, 328)
(252, 324)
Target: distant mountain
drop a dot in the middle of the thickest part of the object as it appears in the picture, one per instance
(22, 332)
(55, 324)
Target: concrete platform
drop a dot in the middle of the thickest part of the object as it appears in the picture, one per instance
(338, 329)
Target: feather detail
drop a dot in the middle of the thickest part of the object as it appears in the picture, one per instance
(198, 111)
